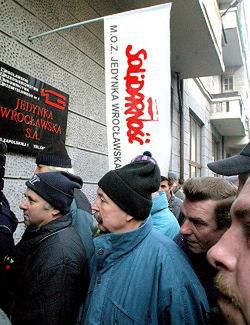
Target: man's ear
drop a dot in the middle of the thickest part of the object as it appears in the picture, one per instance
(55, 212)
(129, 218)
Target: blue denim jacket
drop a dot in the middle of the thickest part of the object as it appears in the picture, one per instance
(142, 277)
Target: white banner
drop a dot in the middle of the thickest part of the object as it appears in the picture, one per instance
(138, 82)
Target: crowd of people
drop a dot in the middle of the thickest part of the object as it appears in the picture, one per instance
(149, 250)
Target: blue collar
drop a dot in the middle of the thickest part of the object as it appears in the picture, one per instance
(112, 246)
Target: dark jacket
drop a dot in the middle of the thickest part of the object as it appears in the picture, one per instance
(8, 224)
(49, 275)
(204, 271)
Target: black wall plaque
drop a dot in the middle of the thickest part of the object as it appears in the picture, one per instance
(32, 113)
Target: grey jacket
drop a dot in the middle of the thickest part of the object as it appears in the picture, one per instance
(175, 204)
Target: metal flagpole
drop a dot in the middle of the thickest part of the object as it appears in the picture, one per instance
(31, 38)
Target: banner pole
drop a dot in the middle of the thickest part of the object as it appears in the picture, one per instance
(31, 38)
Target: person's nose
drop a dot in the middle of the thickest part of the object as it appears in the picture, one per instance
(94, 206)
(186, 228)
(222, 255)
(23, 204)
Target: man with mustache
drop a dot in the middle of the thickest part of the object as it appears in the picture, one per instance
(138, 275)
(205, 217)
(231, 256)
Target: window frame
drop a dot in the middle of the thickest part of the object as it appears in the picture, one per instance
(195, 164)
(215, 149)
(228, 83)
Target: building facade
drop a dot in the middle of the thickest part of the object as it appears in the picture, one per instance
(209, 88)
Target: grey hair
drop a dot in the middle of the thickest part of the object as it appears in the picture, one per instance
(61, 169)
(47, 206)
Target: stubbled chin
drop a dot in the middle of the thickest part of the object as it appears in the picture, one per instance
(101, 228)
(195, 248)
(26, 221)
(232, 315)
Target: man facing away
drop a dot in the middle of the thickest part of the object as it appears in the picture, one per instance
(48, 268)
(138, 275)
(231, 256)
(205, 215)
(54, 158)
(235, 165)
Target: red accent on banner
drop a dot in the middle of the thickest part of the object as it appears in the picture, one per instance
(135, 100)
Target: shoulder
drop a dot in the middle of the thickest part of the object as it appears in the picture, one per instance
(164, 253)
(177, 201)
(69, 238)
(164, 245)
(180, 194)
(81, 201)
(179, 240)
(63, 246)
(166, 219)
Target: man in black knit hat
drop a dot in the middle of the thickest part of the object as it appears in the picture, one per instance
(54, 155)
(48, 269)
(54, 158)
(138, 275)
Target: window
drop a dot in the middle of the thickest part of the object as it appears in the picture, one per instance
(228, 83)
(195, 148)
(215, 150)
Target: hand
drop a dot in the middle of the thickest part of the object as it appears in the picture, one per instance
(7, 217)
